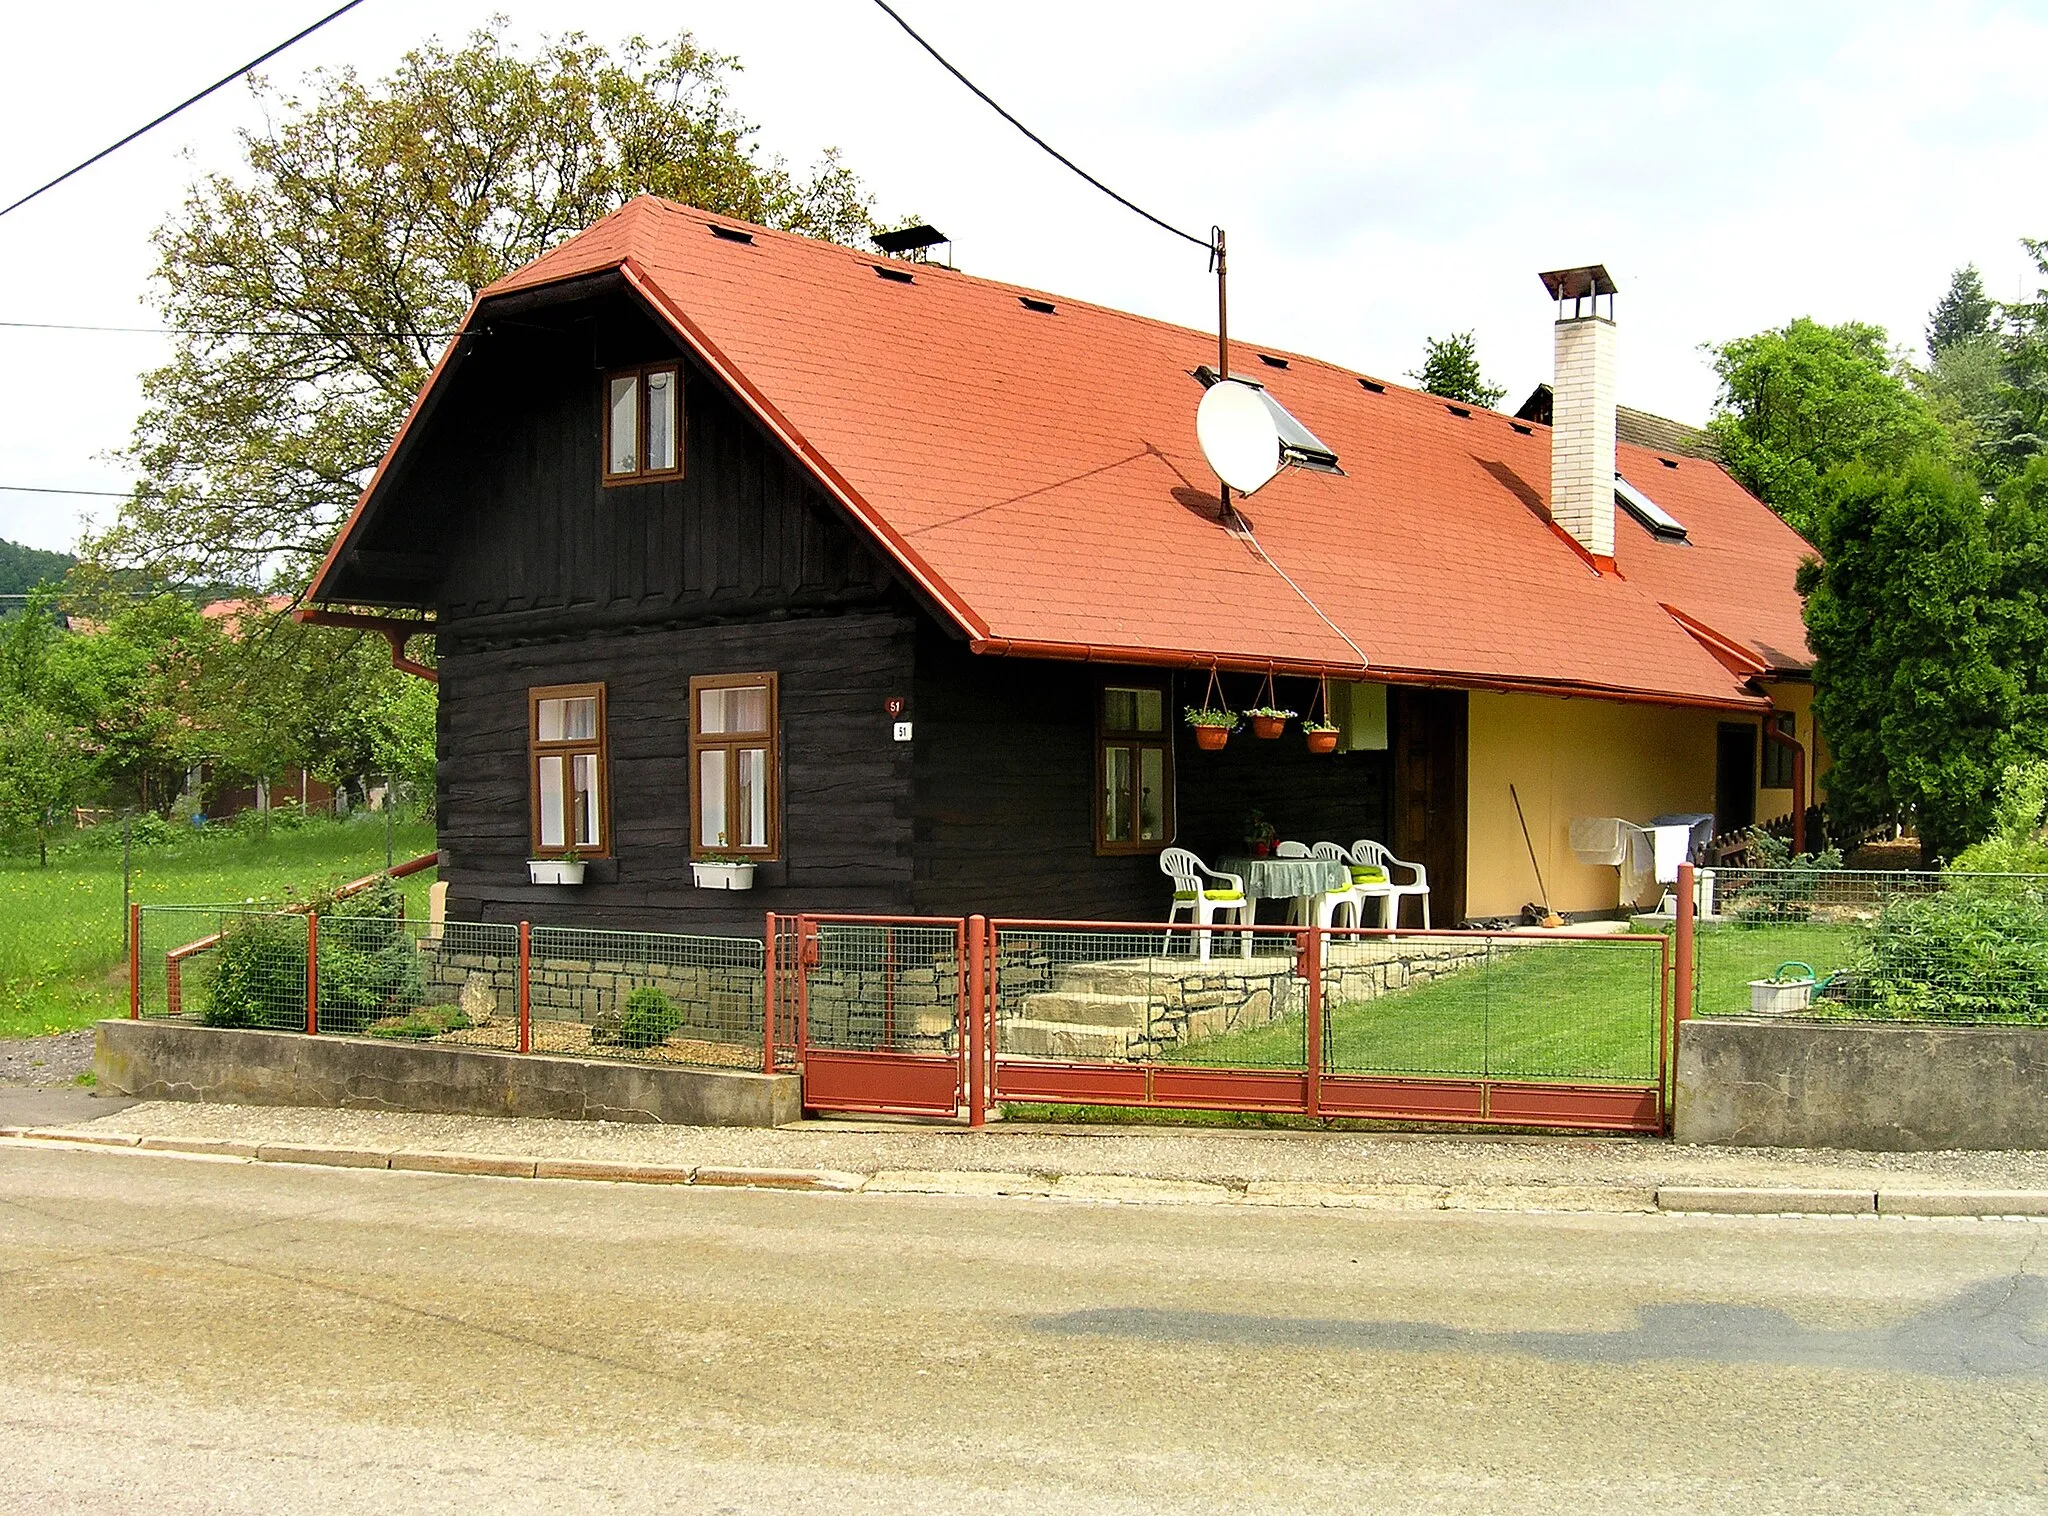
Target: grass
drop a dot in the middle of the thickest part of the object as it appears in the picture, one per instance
(60, 927)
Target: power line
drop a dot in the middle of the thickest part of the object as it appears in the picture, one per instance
(216, 331)
(1207, 244)
(52, 489)
(250, 66)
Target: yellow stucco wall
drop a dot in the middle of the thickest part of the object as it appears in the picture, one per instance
(1796, 697)
(1569, 758)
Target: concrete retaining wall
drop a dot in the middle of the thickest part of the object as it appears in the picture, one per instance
(1876, 1086)
(167, 1060)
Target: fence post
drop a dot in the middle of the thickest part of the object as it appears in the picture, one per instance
(1311, 964)
(525, 987)
(768, 998)
(1681, 998)
(134, 963)
(977, 1020)
(312, 973)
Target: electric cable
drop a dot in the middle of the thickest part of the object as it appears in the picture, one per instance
(1205, 243)
(218, 84)
(216, 331)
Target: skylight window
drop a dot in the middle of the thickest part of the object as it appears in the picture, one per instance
(1659, 522)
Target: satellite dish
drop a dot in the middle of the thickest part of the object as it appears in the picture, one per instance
(1239, 435)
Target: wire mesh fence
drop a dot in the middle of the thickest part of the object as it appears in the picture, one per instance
(648, 997)
(884, 987)
(1845, 944)
(1132, 996)
(1495, 1006)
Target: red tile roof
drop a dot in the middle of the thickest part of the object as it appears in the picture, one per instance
(1039, 474)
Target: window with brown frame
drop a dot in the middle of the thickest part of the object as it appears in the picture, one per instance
(567, 770)
(643, 424)
(734, 764)
(1133, 769)
(1778, 758)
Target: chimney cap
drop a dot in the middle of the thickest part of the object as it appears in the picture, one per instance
(1578, 283)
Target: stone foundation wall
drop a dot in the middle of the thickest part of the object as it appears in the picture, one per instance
(723, 997)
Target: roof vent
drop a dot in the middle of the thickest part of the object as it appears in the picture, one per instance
(1668, 462)
(1526, 431)
(1043, 307)
(1459, 410)
(1660, 522)
(1372, 386)
(1271, 362)
(899, 275)
(729, 233)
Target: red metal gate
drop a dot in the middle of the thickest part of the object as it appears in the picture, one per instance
(875, 1010)
(935, 1017)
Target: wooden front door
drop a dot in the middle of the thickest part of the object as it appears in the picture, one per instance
(1429, 794)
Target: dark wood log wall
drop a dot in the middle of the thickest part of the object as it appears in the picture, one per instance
(1005, 790)
(846, 814)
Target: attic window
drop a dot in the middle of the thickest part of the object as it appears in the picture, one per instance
(1372, 386)
(729, 233)
(1660, 523)
(899, 275)
(1271, 362)
(1043, 307)
(643, 424)
(1526, 431)
(1668, 462)
(1459, 410)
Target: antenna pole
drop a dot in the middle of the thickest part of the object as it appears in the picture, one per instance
(1218, 257)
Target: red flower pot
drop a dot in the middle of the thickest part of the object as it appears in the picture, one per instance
(1211, 739)
(1322, 742)
(1268, 727)
(1262, 849)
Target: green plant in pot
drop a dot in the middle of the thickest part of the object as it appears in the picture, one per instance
(1259, 835)
(1321, 735)
(1213, 725)
(1269, 721)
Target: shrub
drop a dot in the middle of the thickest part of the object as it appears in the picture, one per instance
(1975, 953)
(259, 974)
(1790, 890)
(422, 1024)
(2016, 844)
(368, 967)
(649, 1017)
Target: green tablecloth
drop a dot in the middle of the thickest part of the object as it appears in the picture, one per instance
(1285, 878)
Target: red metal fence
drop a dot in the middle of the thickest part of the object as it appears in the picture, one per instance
(949, 1016)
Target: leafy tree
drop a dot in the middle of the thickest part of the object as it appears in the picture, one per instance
(1799, 400)
(2019, 426)
(367, 218)
(23, 568)
(1450, 368)
(1912, 684)
(1964, 313)
(43, 764)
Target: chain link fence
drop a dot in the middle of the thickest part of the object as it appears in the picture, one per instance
(644, 996)
(1846, 944)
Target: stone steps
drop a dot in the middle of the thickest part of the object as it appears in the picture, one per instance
(1088, 1008)
(1147, 978)
(1065, 1039)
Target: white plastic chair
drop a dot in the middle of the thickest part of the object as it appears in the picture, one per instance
(1297, 908)
(1203, 902)
(1352, 898)
(1370, 854)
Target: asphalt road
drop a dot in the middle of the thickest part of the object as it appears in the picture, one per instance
(184, 1335)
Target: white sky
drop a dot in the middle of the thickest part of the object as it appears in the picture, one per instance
(1386, 171)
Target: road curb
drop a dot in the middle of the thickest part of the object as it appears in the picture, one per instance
(493, 1165)
(1962, 1202)
(835, 1181)
(612, 1173)
(1715, 1200)
(326, 1157)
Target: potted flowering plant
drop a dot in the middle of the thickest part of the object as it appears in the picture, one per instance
(1259, 835)
(1269, 721)
(1213, 725)
(565, 867)
(717, 872)
(1322, 735)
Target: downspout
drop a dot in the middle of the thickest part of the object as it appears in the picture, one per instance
(405, 665)
(1785, 739)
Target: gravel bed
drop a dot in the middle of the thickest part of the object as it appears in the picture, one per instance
(1206, 1155)
(44, 1062)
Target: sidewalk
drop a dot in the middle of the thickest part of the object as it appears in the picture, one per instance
(1103, 1163)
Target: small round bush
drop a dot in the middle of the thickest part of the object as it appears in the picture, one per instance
(648, 1018)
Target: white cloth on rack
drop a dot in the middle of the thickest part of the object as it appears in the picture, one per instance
(1598, 839)
(1640, 864)
(1673, 845)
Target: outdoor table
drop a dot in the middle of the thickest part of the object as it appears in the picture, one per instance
(1287, 879)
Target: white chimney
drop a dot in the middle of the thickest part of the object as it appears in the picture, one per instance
(1582, 409)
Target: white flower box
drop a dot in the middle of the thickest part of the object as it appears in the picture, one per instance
(723, 876)
(1780, 997)
(554, 871)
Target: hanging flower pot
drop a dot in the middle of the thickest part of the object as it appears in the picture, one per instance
(1268, 721)
(1212, 739)
(1213, 720)
(1321, 739)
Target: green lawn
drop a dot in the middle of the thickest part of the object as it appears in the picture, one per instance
(60, 927)
(1560, 1010)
